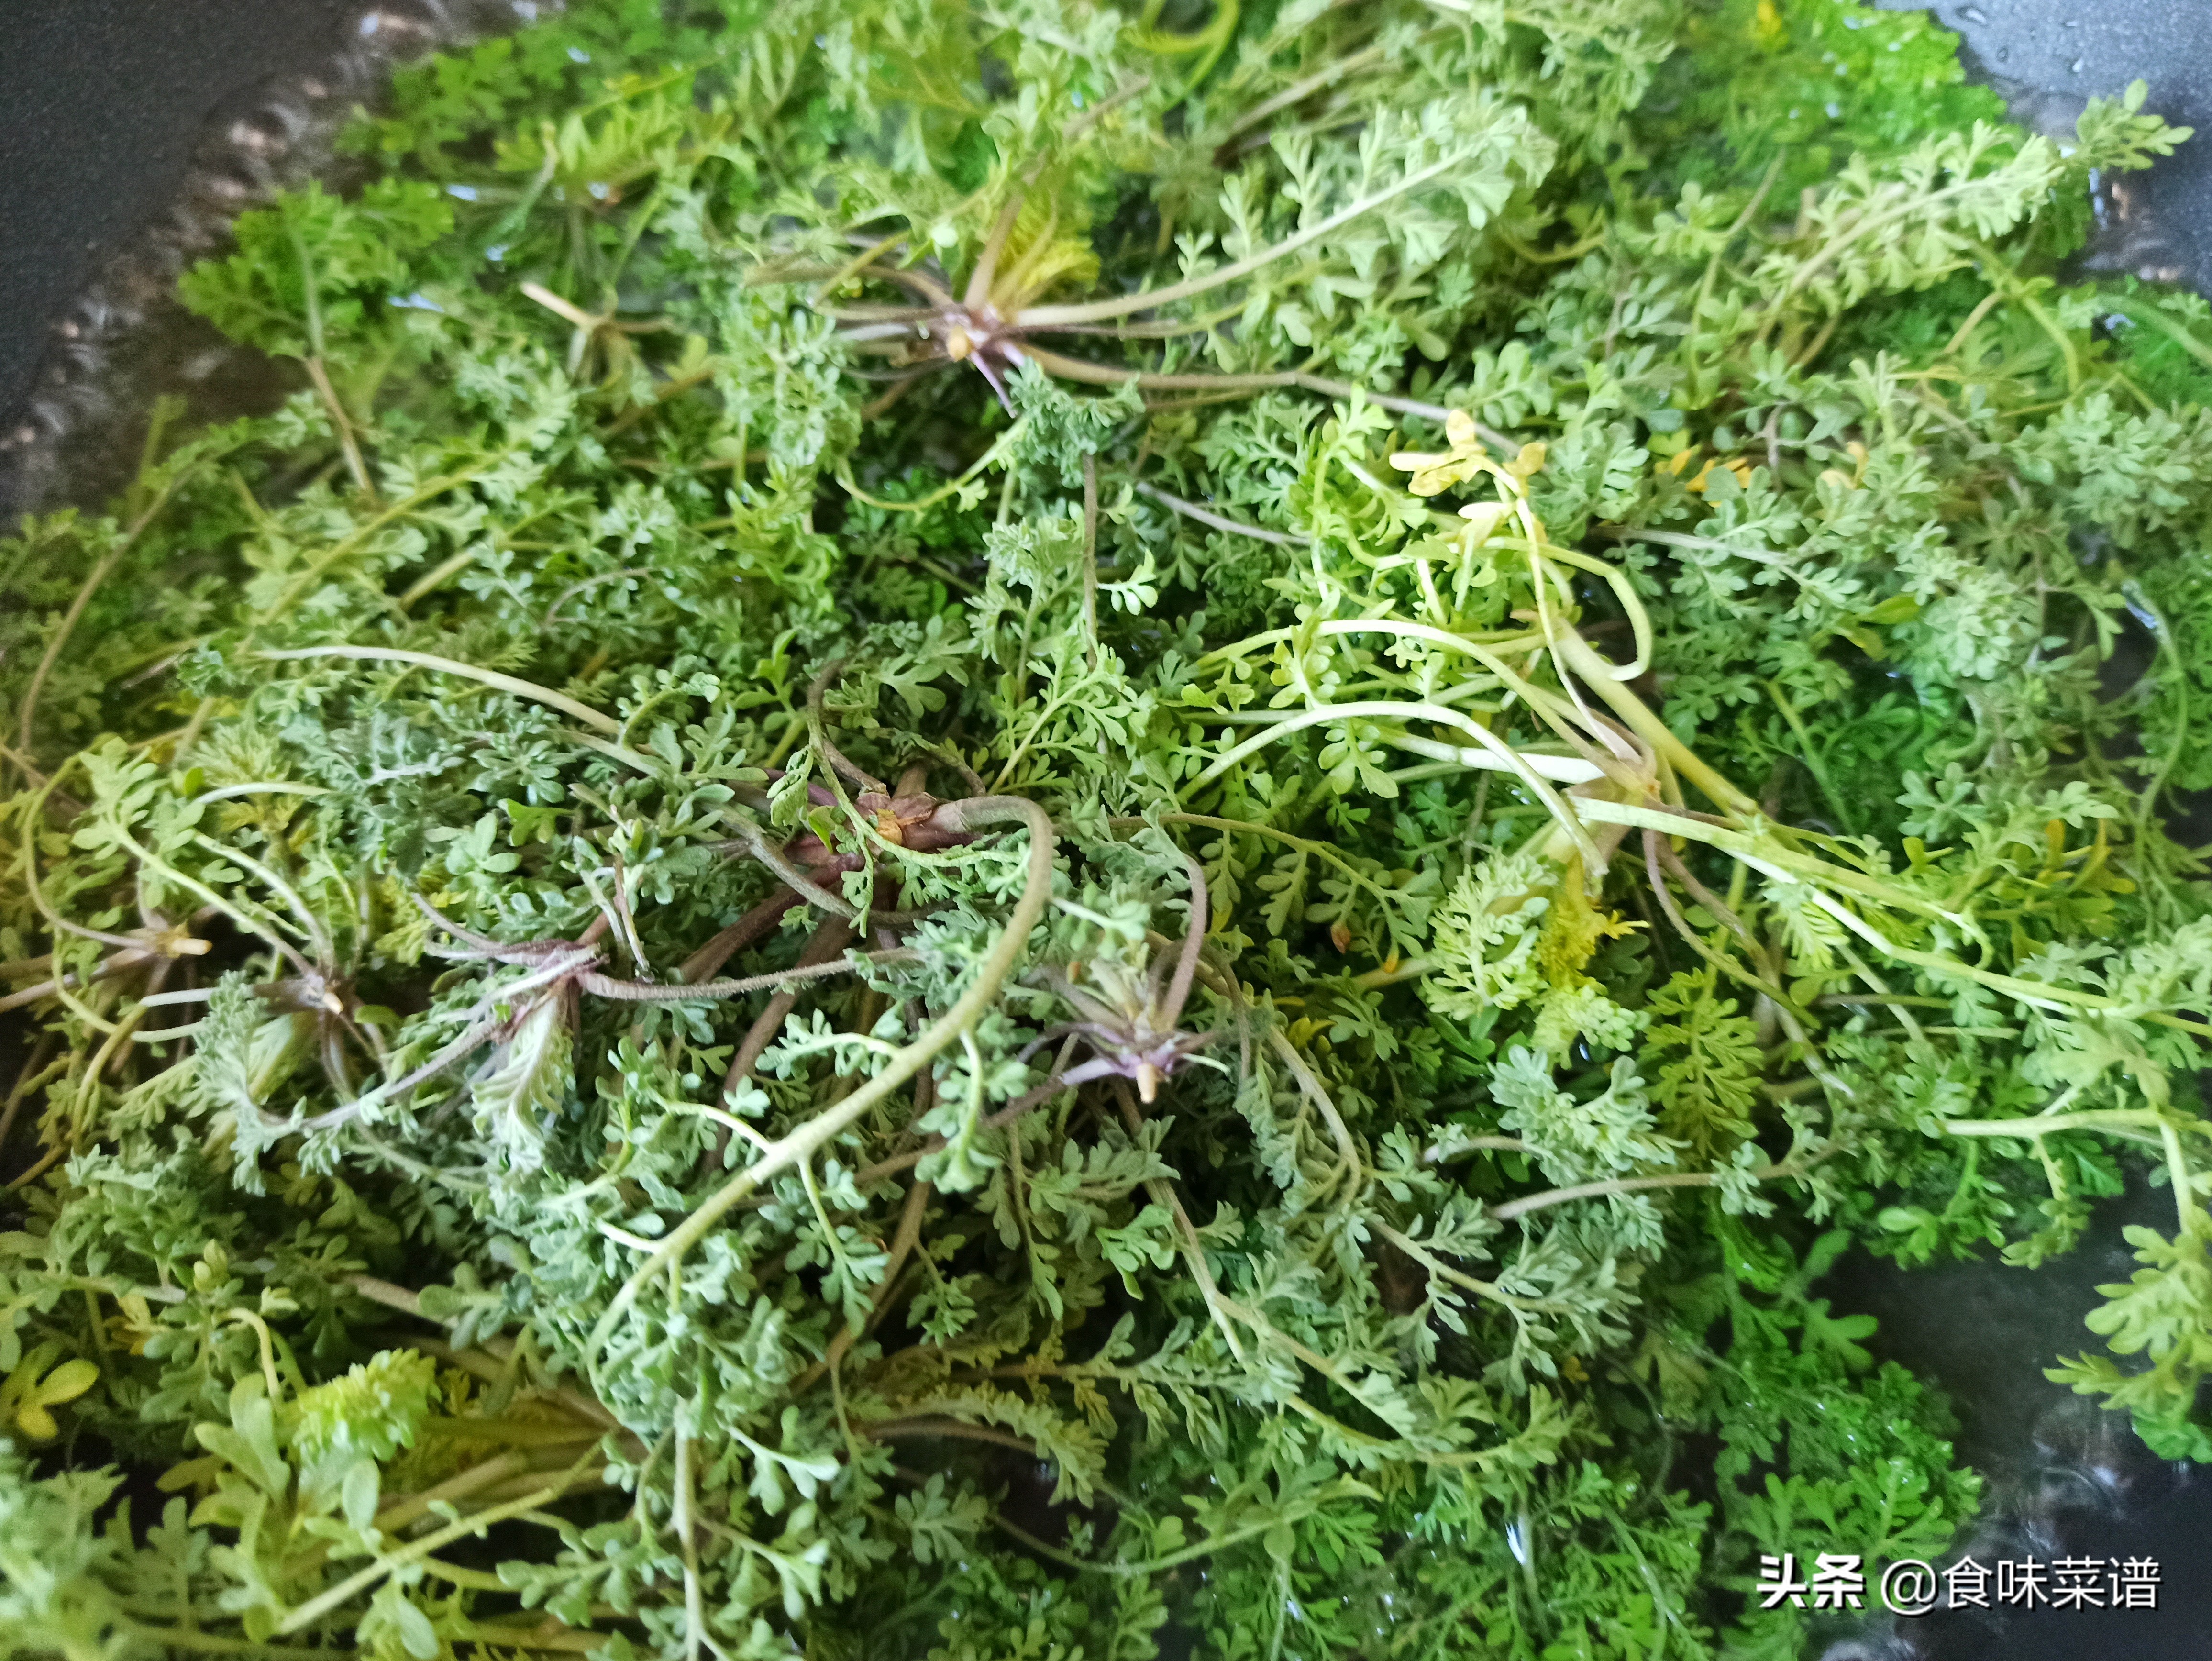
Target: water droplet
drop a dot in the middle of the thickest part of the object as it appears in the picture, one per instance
(1975, 15)
(2075, 67)
(2004, 54)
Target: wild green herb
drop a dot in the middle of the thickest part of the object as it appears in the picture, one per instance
(1055, 831)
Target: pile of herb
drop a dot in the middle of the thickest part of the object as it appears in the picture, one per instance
(1039, 830)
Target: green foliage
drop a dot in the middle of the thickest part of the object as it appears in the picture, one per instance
(994, 832)
(1706, 1077)
(1821, 84)
(310, 272)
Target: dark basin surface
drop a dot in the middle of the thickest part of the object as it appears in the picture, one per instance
(103, 101)
(2050, 56)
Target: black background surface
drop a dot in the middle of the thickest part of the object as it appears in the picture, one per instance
(101, 102)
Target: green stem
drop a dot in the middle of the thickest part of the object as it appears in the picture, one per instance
(1320, 850)
(1647, 726)
(1811, 757)
(312, 1611)
(67, 626)
(1526, 1203)
(1155, 1565)
(522, 689)
(1494, 753)
(1101, 311)
(2184, 1187)
(803, 1142)
(2037, 1128)
(1428, 1260)
(1100, 374)
(306, 578)
(2087, 1119)
(2143, 311)
(1487, 653)
(1006, 442)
